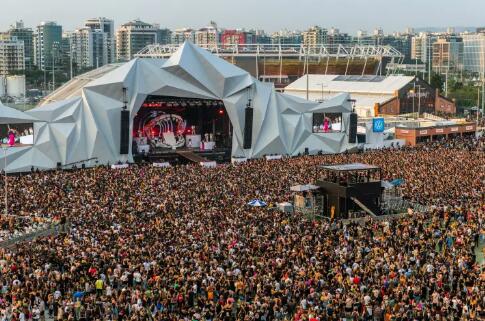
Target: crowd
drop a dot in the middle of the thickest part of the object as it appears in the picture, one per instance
(179, 243)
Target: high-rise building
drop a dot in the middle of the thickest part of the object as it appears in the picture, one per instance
(378, 32)
(335, 37)
(207, 37)
(378, 36)
(11, 56)
(450, 30)
(26, 35)
(421, 47)
(315, 36)
(47, 44)
(448, 54)
(89, 48)
(474, 53)
(132, 37)
(409, 31)
(237, 37)
(361, 34)
(66, 45)
(363, 38)
(179, 36)
(164, 36)
(401, 43)
(106, 26)
(285, 37)
(262, 38)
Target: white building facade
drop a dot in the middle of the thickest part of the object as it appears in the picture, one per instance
(474, 53)
(132, 37)
(89, 48)
(11, 56)
(106, 26)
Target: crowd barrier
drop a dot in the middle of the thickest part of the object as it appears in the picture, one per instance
(54, 229)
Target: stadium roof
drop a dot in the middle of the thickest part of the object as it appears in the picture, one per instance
(74, 87)
(382, 85)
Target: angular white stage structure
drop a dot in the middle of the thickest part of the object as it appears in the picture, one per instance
(81, 120)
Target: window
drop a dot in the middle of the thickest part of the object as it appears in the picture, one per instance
(327, 123)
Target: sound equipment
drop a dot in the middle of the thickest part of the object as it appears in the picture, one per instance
(59, 165)
(248, 128)
(307, 152)
(125, 132)
(353, 128)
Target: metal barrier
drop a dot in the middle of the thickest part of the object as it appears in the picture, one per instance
(55, 229)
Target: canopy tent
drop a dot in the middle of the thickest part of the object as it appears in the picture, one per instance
(285, 207)
(257, 203)
(303, 188)
(10, 115)
(397, 182)
(386, 185)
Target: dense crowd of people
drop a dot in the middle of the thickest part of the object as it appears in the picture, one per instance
(180, 243)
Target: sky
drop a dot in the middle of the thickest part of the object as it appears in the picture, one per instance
(270, 15)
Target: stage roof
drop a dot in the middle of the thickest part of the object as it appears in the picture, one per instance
(349, 167)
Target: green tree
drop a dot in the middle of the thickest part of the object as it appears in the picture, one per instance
(437, 81)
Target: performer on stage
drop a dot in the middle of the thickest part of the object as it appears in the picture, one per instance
(325, 125)
(11, 137)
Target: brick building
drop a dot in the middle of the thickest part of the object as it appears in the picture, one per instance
(430, 132)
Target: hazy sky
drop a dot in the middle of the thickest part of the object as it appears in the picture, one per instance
(271, 15)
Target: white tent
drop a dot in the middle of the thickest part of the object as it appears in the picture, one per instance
(303, 188)
(85, 125)
(10, 115)
(257, 203)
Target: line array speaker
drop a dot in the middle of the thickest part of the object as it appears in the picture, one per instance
(353, 128)
(125, 132)
(248, 128)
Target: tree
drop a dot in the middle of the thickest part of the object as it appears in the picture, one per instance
(437, 81)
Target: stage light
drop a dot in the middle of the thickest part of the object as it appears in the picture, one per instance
(221, 111)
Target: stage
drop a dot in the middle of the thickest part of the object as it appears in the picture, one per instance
(220, 155)
(166, 127)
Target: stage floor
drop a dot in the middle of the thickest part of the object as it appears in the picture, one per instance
(221, 155)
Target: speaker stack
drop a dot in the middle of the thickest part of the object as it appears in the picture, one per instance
(125, 132)
(248, 128)
(353, 128)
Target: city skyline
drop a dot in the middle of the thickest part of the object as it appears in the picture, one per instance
(254, 14)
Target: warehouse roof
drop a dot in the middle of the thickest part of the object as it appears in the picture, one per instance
(382, 85)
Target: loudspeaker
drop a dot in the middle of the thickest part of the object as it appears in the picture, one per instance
(125, 132)
(353, 128)
(59, 165)
(248, 128)
(307, 152)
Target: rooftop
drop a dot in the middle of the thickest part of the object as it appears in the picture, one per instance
(380, 85)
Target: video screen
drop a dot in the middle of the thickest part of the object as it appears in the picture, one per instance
(17, 135)
(327, 123)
